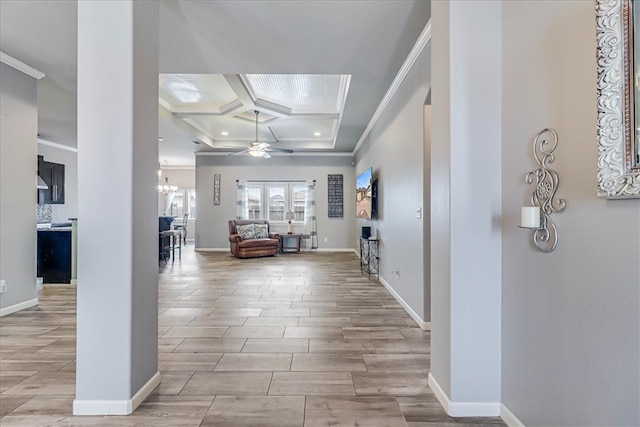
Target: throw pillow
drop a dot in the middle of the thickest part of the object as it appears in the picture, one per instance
(245, 231)
(261, 231)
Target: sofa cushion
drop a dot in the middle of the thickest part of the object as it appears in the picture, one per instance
(246, 231)
(261, 231)
(257, 243)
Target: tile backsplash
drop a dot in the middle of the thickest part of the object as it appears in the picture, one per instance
(44, 213)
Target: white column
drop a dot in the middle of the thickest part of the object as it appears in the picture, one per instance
(466, 207)
(117, 344)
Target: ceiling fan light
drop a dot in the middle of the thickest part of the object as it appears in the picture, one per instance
(260, 149)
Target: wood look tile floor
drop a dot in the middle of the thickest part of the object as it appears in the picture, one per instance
(300, 340)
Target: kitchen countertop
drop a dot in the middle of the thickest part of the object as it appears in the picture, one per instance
(54, 227)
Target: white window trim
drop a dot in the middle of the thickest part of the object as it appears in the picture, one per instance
(264, 197)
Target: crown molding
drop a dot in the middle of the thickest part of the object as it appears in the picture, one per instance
(417, 49)
(275, 154)
(343, 91)
(20, 66)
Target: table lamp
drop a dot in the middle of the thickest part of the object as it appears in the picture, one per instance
(289, 217)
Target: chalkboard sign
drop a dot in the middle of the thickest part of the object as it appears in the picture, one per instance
(335, 194)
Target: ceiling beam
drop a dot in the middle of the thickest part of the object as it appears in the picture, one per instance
(168, 115)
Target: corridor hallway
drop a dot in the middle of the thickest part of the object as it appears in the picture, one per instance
(292, 340)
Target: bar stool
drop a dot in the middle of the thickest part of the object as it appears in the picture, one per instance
(183, 227)
(175, 242)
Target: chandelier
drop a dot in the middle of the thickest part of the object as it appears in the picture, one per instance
(165, 188)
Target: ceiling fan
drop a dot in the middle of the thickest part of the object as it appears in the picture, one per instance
(260, 149)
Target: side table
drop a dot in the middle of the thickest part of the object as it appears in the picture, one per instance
(369, 258)
(296, 247)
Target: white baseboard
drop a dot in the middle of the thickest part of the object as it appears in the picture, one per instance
(116, 407)
(349, 250)
(17, 307)
(426, 326)
(508, 417)
(346, 250)
(145, 391)
(463, 409)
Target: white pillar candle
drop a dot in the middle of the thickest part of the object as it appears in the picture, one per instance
(530, 217)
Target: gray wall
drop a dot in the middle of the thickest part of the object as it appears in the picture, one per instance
(62, 213)
(117, 342)
(466, 203)
(570, 318)
(440, 225)
(212, 231)
(18, 168)
(394, 149)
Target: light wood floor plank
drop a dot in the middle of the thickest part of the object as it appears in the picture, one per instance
(295, 340)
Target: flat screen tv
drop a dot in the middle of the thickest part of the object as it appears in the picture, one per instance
(364, 195)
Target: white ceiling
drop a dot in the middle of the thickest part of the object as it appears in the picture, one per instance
(297, 111)
(221, 48)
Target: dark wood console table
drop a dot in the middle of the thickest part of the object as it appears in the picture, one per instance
(296, 247)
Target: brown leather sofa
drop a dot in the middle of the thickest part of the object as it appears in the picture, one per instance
(252, 247)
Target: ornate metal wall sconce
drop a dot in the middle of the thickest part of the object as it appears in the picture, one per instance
(538, 216)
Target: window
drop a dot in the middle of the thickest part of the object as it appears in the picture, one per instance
(272, 200)
(277, 200)
(299, 198)
(177, 205)
(184, 201)
(191, 204)
(254, 202)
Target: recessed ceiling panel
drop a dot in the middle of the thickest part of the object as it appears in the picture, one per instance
(302, 93)
(229, 129)
(210, 90)
(250, 115)
(305, 130)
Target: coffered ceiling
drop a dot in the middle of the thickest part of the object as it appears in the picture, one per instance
(309, 67)
(297, 111)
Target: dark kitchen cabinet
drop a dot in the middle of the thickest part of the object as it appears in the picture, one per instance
(54, 256)
(53, 175)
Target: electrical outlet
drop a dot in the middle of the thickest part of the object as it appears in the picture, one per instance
(3, 286)
(396, 273)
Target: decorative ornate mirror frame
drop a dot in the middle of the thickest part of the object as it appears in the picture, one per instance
(618, 169)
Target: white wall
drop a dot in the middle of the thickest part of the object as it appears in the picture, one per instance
(571, 318)
(212, 231)
(62, 213)
(394, 149)
(18, 194)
